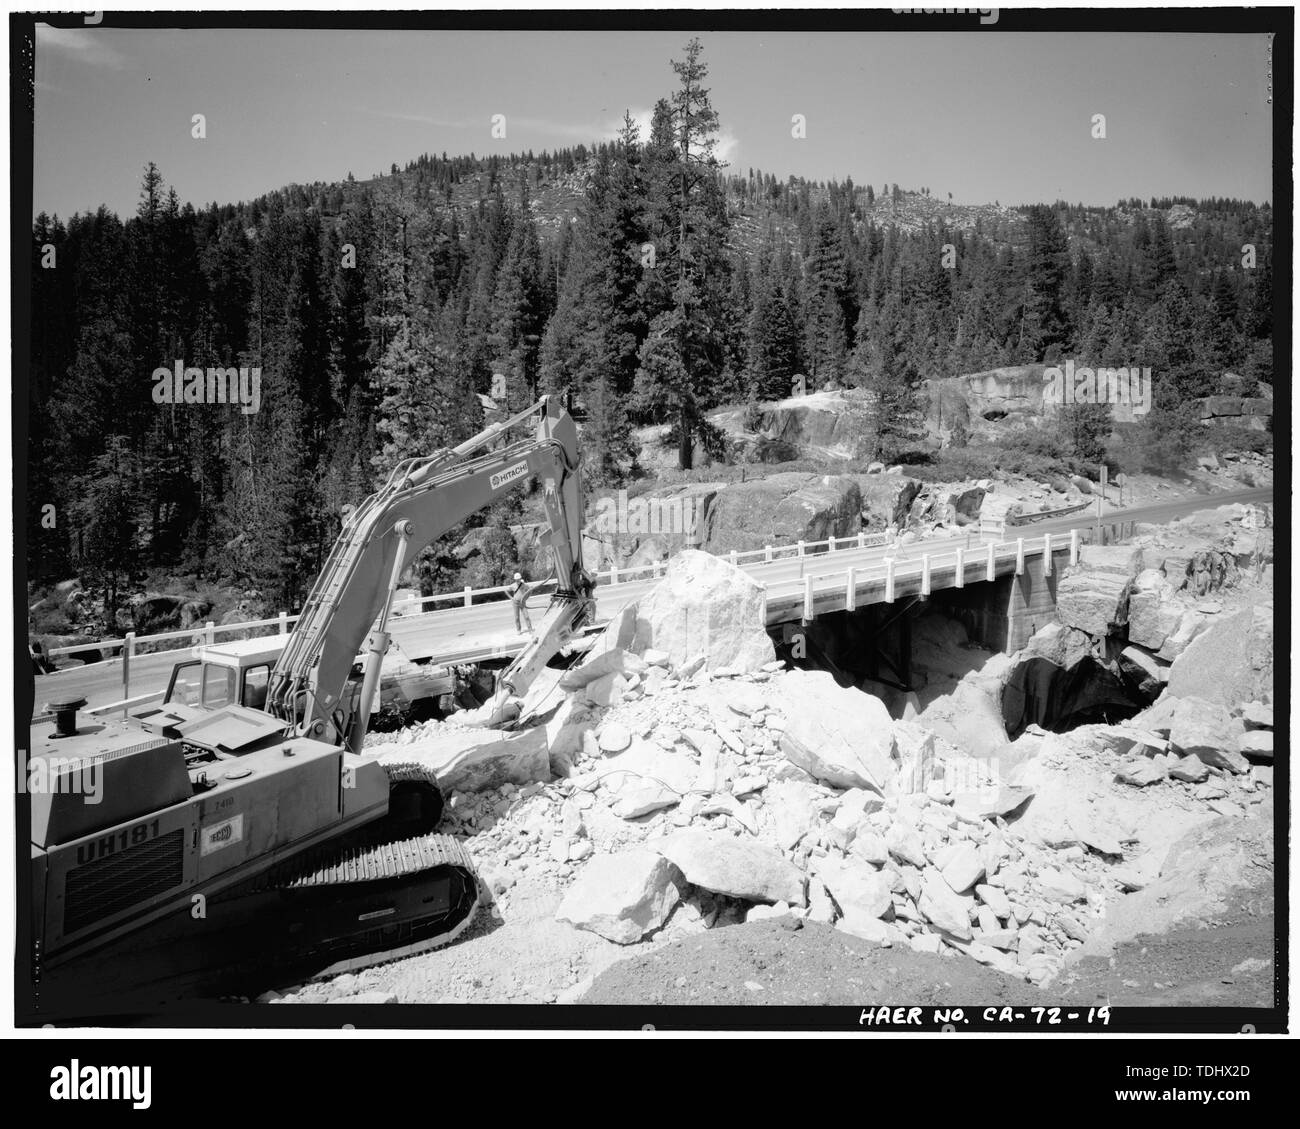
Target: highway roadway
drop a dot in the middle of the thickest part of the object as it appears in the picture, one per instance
(461, 634)
(1153, 513)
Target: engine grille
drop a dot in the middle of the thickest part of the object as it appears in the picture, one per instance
(118, 881)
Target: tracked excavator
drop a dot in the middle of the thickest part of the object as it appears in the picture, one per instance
(183, 855)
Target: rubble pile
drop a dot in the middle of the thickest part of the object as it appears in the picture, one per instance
(680, 778)
(691, 789)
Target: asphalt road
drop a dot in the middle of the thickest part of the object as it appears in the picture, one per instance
(477, 632)
(1151, 514)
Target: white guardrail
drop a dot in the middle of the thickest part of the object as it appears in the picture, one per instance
(981, 559)
(810, 586)
(467, 596)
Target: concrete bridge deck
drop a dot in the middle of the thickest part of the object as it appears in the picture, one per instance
(799, 588)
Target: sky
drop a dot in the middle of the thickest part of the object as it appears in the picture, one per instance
(984, 115)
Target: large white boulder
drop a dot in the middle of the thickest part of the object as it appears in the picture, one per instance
(704, 606)
(622, 897)
(646, 778)
(861, 892)
(1094, 601)
(727, 865)
(944, 908)
(842, 737)
(475, 760)
(1208, 731)
(792, 807)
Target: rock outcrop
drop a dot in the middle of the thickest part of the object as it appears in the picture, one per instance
(886, 499)
(1093, 596)
(986, 402)
(1065, 676)
(1230, 662)
(1254, 413)
(782, 509)
(833, 425)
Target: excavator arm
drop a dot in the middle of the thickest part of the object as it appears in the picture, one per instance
(423, 498)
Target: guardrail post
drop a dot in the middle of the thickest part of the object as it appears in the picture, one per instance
(1047, 554)
(767, 553)
(830, 543)
(925, 574)
(851, 589)
(889, 580)
(961, 568)
(1074, 546)
(862, 539)
(469, 596)
(807, 599)
(1020, 555)
(799, 553)
(991, 570)
(209, 633)
(613, 574)
(284, 623)
(128, 651)
(732, 556)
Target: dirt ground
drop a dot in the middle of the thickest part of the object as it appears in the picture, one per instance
(768, 962)
(1229, 963)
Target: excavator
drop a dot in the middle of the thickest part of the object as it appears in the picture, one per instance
(177, 854)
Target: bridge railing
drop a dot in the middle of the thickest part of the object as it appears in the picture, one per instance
(207, 633)
(981, 556)
(972, 563)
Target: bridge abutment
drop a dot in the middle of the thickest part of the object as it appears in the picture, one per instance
(1003, 614)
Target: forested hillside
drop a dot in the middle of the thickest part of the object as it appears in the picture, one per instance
(638, 277)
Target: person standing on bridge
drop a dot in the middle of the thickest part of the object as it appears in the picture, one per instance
(518, 593)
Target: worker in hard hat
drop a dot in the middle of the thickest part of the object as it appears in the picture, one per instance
(518, 593)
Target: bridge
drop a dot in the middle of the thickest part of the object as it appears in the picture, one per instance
(1003, 575)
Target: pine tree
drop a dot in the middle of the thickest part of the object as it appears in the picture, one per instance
(518, 313)
(614, 323)
(773, 344)
(695, 204)
(883, 367)
(826, 343)
(104, 511)
(1042, 320)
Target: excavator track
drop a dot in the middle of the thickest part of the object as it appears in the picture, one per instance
(389, 890)
(368, 904)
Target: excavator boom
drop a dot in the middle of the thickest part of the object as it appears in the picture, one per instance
(422, 499)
